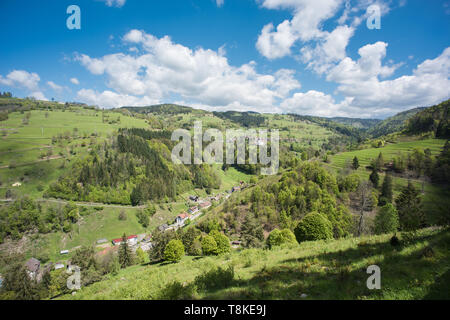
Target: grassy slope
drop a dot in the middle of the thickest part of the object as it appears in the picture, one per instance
(436, 199)
(322, 270)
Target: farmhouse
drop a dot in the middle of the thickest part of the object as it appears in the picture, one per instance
(131, 240)
(205, 205)
(64, 252)
(59, 266)
(181, 218)
(193, 198)
(193, 210)
(234, 189)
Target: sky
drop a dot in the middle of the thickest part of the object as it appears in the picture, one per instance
(310, 57)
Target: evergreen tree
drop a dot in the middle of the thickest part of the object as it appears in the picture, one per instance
(355, 164)
(386, 191)
(409, 208)
(386, 220)
(374, 178)
(125, 255)
(251, 232)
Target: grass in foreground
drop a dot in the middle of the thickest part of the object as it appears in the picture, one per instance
(321, 270)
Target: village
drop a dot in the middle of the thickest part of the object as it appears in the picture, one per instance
(144, 241)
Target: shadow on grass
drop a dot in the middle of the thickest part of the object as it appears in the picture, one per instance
(342, 274)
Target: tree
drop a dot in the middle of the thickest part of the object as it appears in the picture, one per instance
(251, 232)
(223, 243)
(278, 237)
(409, 207)
(189, 238)
(174, 251)
(374, 178)
(314, 226)
(160, 239)
(386, 191)
(379, 162)
(386, 220)
(365, 202)
(125, 254)
(17, 280)
(143, 218)
(140, 255)
(355, 164)
(209, 245)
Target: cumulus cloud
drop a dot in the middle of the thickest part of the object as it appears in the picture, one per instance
(21, 78)
(74, 81)
(361, 81)
(109, 99)
(115, 3)
(54, 86)
(201, 76)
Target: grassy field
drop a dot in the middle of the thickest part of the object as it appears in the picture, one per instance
(436, 199)
(320, 270)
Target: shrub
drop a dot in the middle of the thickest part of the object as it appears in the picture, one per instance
(222, 241)
(314, 226)
(209, 245)
(215, 278)
(122, 215)
(279, 237)
(177, 291)
(174, 251)
(386, 220)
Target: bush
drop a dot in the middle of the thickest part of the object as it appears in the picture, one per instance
(386, 220)
(215, 278)
(314, 226)
(222, 241)
(279, 237)
(174, 251)
(209, 245)
(122, 215)
(177, 291)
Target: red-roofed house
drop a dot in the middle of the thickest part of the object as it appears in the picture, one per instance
(131, 240)
(205, 205)
(181, 218)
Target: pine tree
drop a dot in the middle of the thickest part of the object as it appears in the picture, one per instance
(409, 207)
(386, 191)
(374, 178)
(125, 257)
(355, 164)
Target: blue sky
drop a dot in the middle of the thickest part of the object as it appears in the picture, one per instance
(313, 57)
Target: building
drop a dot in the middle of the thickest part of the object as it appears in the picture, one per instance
(32, 266)
(193, 210)
(101, 241)
(234, 189)
(193, 198)
(131, 240)
(59, 266)
(181, 218)
(64, 252)
(205, 205)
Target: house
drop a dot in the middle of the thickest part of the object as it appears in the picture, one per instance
(59, 266)
(193, 210)
(32, 266)
(163, 227)
(101, 241)
(234, 189)
(17, 184)
(131, 240)
(205, 205)
(181, 218)
(193, 198)
(64, 252)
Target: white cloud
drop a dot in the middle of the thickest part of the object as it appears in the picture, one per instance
(74, 81)
(360, 81)
(115, 3)
(109, 99)
(201, 76)
(38, 95)
(54, 86)
(21, 78)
